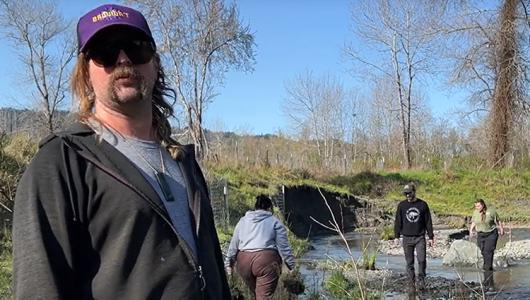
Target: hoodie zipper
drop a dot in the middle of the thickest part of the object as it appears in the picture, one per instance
(191, 258)
(201, 279)
(196, 216)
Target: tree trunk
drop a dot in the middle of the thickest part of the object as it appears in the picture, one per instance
(404, 109)
(502, 109)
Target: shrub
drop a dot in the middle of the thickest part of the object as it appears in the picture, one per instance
(292, 282)
(337, 285)
(6, 265)
(299, 246)
(368, 260)
(387, 233)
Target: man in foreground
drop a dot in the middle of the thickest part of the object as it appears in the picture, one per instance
(114, 208)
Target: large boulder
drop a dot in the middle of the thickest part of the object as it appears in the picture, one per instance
(462, 253)
(465, 253)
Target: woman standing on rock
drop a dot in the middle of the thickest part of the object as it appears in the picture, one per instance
(257, 248)
(488, 226)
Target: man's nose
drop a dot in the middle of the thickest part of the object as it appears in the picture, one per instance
(123, 59)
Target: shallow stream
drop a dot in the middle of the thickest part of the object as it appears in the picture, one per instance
(513, 282)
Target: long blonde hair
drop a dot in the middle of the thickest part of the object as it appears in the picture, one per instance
(162, 110)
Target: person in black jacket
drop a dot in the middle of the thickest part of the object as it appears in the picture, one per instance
(413, 221)
(113, 207)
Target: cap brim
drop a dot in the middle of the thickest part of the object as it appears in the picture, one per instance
(115, 24)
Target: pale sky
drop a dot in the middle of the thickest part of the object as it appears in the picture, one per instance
(292, 37)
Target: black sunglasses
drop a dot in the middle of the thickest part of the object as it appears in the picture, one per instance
(106, 53)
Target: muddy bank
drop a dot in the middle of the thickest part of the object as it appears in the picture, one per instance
(305, 205)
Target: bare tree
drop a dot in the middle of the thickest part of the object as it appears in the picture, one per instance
(507, 84)
(382, 127)
(316, 107)
(470, 47)
(404, 33)
(200, 41)
(43, 41)
(355, 122)
(491, 58)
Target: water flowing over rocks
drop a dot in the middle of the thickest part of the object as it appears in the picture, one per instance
(516, 250)
(442, 282)
(441, 245)
(461, 252)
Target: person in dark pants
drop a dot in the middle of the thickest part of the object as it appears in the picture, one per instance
(413, 220)
(488, 227)
(257, 248)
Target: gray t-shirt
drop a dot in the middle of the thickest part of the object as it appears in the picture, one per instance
(148, 156)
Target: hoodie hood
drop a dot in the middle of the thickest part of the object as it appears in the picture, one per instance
(260, 230)
(259, 215)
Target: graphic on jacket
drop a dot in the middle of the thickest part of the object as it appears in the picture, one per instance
(413, 215)
(413, 218)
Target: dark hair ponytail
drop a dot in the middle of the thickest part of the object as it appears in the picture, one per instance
(263, 202)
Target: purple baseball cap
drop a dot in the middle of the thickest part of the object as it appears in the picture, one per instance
(109, 15)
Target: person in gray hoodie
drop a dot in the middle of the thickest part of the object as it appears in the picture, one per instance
(257, 248)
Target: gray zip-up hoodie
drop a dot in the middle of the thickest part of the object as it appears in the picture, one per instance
(259, 230)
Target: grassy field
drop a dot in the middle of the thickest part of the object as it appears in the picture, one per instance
(447, 192)
(454, 193)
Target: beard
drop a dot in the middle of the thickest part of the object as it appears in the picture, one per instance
(138, 82)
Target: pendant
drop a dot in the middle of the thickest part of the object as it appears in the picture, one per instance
(164, 186)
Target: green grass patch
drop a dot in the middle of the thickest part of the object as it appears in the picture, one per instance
(337, 286)
(454, 193)
(224, 235)
(299, 246)
(368, 260)
(6, 265)
(448, 192)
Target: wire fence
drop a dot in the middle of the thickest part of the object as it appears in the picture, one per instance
(219, 191)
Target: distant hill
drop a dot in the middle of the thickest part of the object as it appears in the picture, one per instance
(26, 120)
(14, 120)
